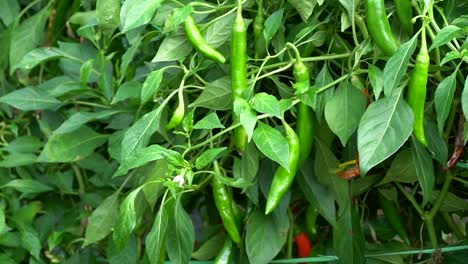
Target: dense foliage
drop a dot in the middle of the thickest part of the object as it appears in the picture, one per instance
(140, 131)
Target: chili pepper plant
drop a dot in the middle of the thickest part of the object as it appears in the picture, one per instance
(235, 131)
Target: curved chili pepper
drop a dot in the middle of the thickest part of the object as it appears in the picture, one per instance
(283, 179)
(379, 28)
(195, 38)
(405, 14)
(393, 217)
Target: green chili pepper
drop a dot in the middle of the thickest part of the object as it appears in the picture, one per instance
(177, 117)
(304, 125)
(223, 202)
(225, 255)
(258, 26)
(195, 38)
(283, 179)
(239, 71)
(379, 28)
(417, 89)
(405, 14)
(311, 219)
(393, 217)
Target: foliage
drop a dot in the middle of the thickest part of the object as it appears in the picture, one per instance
(90, 173)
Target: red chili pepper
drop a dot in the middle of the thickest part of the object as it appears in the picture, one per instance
(459, 145)
(303, 245)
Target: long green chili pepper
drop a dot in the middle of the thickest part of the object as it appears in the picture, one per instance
(393, 217)
(179, 112)
(304, 125)
(311, 219)
(224, 203)
(225, 255)
(195, 38)
(379, 28)
(405, 14)
(258, 26)
(283, 179)
(239, 71)
(416, 96)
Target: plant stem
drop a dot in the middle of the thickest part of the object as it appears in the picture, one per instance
(79, 178)
(442, 194)
(429, 222)
(290, 235)
(410, 198)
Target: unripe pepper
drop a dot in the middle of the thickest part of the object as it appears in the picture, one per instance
(239, 72)
(195, 38)
(379, 28)
(416, 95)
(283, 179)
(224, 204)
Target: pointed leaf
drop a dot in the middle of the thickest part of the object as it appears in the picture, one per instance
(271, 143)
(443, 99)
(424, 169)
(102, 220)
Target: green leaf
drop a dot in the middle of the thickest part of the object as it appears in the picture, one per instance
(177, 17)
(267, 104)
(102, 220)
(135, 13)
(323, 78)
(396, 66)
(317, 194)
(86, 71)
(349, 247)
(126, 220)
(435, 142)
(138, 135)
(464, 99)
(272, 143)
(376, 79)
(78, 119)
(272, 25)
(304, 8)
(208, 156)
(27, 186)
(17, 159)
(173, 48)
(424, 169)
(265, 236)
(217, 33)
(39, 55)
(216, 95)
(142, 156)
(450, 203)
(325, 164)
(402, 169)
(128, 56)
(344, 111)
(443, 98)
(127, 90)
(107, 14)
(71, 146)
(210, 121)
(210, 248)
(29, 239)
(451, 55)
(445, 35)
(151, 85)
(155, 239)
(9, 10)
(27, 36)
(180, 235)
(3, 226)
(247, 116)
(30, 98)
(24, 144)
(384, 128)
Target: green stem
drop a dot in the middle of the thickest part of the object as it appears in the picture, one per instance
(410, 198)
(290, 235)
(443, 192)
(449, 220)
(451, 119)
(79, 178)
(429, 222)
